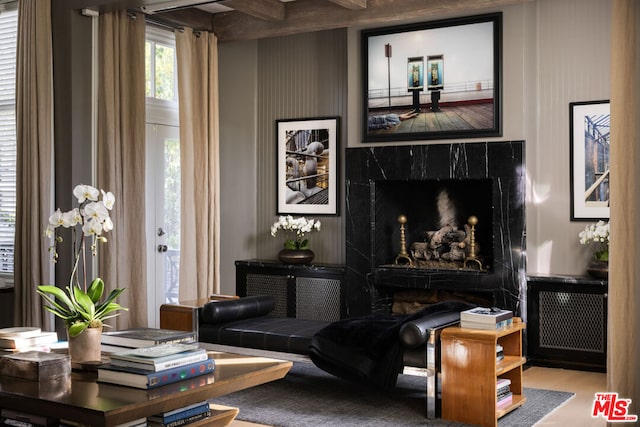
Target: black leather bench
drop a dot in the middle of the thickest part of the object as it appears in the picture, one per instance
(247, 326)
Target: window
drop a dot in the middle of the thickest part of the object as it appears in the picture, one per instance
(8, 46)
(160, 65)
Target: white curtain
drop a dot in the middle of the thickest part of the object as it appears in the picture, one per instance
(197, 55)
(121, 159)
(34, 129)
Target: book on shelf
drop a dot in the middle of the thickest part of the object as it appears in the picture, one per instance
(145, 337)
(499, 352)
(503, 324)
(140, 378)
(182, 421)
(159, 357)
(22, 342)
(181, 413)
(12, 417)
(488, 315)
(505, 401)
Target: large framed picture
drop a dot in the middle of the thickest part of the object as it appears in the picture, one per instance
(433, 80)
(308, 166)
(589, 133)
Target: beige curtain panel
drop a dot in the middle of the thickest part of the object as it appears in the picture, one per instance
(199, 163)
(34, 131)
(121, 159)
(623, 372)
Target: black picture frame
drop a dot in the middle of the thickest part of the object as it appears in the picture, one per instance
(589, 135)
(308, 166)
(465, 98)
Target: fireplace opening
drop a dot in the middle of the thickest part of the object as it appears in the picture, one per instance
(437, 232)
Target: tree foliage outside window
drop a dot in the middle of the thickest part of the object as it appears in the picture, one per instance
(172, 192)
(160, 75)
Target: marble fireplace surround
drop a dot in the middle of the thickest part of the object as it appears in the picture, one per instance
(383, 182)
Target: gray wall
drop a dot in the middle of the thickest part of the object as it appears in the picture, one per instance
(555, 52)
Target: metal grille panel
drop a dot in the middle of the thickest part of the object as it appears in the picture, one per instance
(270, 285)
(572, 321)
(318, 299)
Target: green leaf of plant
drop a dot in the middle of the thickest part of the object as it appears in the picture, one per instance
(77, 328)
(84, 304)
(96, 289)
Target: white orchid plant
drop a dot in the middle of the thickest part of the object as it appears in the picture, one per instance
(81, 306)
(598, 235)
(296, 229)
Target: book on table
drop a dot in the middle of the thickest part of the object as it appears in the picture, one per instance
(23, 341)
(140, 378)
(503, 324)
(159, 357)
(487, 315)
(174, 417)
(145, 337)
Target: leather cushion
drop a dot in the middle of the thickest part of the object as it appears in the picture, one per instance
(241, 308)
(415, 333)
(282, 334)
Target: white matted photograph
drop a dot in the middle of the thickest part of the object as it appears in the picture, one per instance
(589, 129)
(307, 166)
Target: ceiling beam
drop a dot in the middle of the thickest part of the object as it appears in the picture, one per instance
(269, 10)
(313, 15)
(351, 4)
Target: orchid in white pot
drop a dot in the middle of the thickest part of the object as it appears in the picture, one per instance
(79, 305)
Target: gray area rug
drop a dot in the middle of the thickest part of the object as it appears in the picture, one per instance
(310, 397)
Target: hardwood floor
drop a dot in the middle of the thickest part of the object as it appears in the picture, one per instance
(576, 411)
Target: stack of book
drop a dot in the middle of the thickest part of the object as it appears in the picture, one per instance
(119, 341)
(181, 416)
(503, 392)
(486, 318)
(154, 366)
(499, 353)
(9, 417)
(19, 339)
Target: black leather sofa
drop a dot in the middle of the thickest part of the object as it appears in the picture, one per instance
(248, 324)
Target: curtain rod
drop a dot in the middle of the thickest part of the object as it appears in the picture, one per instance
(164, 24)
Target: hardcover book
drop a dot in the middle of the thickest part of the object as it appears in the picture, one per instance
(491, 315)
(145, 337)
(20, 332)
(503, 324)
(23, 342)
(160, 357)
(180, 413)
(139, 378)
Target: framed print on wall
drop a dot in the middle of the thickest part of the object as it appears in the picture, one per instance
(408, 94)
(589, 133)
(307, 166)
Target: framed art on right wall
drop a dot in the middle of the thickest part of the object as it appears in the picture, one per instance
(589, 131)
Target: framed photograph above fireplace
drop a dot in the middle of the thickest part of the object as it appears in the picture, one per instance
(589, 132)
(433, 80)
(307, 166)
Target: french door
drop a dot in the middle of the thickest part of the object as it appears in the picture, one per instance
(163, 217)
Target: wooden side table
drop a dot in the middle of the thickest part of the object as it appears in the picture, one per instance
(470, 372)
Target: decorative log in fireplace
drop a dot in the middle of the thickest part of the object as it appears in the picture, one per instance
(437, 188)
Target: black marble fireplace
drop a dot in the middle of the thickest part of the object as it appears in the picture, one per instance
(484, 180)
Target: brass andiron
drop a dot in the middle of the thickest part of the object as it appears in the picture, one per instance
(403, 255)
(473, 220)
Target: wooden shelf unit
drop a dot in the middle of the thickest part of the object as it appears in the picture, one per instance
(470, 372)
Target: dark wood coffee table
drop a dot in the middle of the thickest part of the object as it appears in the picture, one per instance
(81, 398)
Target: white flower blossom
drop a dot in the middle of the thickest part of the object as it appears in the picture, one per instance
(598, 235)
(86, 192)
(300, 226)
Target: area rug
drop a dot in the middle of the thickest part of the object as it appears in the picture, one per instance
(310, 397)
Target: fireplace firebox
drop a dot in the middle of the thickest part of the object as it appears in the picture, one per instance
(435, 188)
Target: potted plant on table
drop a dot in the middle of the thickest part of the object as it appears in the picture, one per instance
(82, 306)
(597, 235)
(296, 246)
